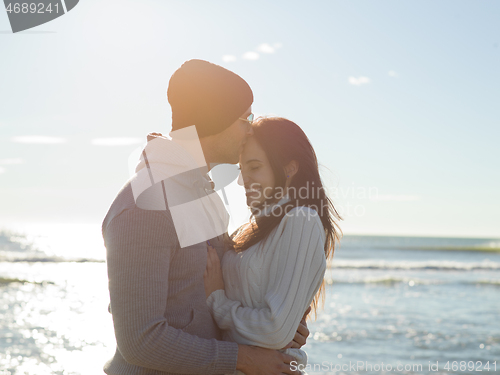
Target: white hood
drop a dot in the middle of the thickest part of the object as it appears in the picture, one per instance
(172, 174)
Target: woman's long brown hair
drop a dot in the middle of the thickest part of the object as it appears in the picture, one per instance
(283, 141)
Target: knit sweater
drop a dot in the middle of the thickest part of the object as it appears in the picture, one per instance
(157, 298)
(269, 286)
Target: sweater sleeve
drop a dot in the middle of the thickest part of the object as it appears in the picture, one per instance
(298, 265)
(138, 259)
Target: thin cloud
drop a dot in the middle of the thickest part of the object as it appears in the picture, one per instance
(11, 161)
(251, 55)
(395, 197)
(266, 48)
(392, 73)
(119, 141)
(2, 170)
(228, 58)
(38, 139)
(359, 81)
(254, 55)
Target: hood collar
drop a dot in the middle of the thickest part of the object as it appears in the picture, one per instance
(268, 208)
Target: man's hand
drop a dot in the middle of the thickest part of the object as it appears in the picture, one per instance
(213, 273)
(253, 360)
(299, 340)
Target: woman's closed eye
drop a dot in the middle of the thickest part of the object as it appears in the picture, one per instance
(252, 168)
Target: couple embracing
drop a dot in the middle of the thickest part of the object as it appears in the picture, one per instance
(185, 297)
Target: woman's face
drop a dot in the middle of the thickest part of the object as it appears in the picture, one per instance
(258, 176)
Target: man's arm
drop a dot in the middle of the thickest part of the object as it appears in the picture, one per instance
(253, 360)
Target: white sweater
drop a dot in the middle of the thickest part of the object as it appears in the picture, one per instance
(269, 286)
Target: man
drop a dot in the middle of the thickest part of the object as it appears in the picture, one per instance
(156, 251)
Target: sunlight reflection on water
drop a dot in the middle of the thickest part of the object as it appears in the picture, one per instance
(58, 326)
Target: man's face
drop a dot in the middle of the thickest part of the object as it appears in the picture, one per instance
(234, 138)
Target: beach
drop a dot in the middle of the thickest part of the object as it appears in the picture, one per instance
(413, 302)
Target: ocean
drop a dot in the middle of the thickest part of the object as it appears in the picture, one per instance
(400, 305)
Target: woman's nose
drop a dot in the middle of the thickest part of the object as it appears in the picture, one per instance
(243, 180)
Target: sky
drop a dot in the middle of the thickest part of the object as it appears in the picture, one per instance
(399, 99)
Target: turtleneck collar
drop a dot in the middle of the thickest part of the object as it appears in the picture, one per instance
(268, 208)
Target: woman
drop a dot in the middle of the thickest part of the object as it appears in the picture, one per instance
(276, 268)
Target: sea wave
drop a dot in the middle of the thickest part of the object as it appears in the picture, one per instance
(45, 259)
(78, 244)
(490, 247)
(11, 241)
(488, 282)
(386, 280)
(421, 243)
(415, 265)
(391, 280)
(8, 280)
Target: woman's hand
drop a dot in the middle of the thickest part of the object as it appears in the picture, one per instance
(302, 333)
(213, 273)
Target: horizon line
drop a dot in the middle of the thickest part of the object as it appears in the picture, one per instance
(11, 224)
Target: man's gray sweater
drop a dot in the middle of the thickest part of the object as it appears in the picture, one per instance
(157, 298)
